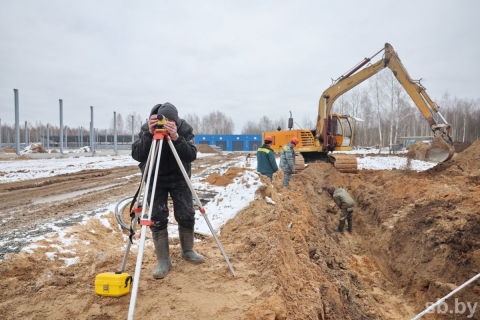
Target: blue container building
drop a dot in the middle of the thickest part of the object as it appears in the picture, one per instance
(231, 142)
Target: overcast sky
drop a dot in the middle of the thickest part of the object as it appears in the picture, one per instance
(244, 58)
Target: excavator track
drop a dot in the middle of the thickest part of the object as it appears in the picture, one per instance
(344, 162)
(299, 162)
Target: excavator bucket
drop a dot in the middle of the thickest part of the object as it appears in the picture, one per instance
(344, 162)
(440, 150)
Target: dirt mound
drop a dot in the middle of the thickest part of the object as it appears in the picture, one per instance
(469, 158)
(465, 161)
(205, 148)
(22, 157)
(226, 178)
(417, 150)
(37, 148)
(461, 146)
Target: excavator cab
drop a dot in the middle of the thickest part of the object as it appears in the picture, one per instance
(339, 132)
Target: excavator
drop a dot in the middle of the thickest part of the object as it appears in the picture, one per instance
(335, 132)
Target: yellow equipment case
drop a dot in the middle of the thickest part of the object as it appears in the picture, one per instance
(113, 284)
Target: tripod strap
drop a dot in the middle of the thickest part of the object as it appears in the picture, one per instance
(133, 212)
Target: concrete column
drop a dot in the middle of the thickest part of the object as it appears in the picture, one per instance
(115, 132)
(26, 134)
(48, 136)
(92, 133)
(17, 123)
(133, 131)
(60, 133)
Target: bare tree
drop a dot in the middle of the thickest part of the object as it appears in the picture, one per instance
(264, 124)
(217, 122)
(341, 105)
(137, 122)
(195, 122)
(251, 128)
(308, 123)
(377, 98)
(120, 125)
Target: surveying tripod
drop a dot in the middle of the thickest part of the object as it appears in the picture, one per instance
(159, 136)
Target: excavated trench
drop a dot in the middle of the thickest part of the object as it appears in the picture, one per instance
(415, 237)
(415, 240)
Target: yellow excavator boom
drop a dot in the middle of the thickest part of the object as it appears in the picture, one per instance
(441, 150)
(335, 132)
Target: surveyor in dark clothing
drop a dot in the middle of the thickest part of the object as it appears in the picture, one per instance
(266, 163)
(170, 181)
(346, 203)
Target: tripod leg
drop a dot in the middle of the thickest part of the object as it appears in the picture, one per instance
(144, 222)
(135, 206)
(199, 204)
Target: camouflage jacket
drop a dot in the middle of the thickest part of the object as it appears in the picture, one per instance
(343, 199)
(287, 159)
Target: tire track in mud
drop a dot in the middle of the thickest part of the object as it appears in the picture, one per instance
(23, 220)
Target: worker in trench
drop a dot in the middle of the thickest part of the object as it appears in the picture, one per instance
(346, 203)
(287, 161)
(171, 181)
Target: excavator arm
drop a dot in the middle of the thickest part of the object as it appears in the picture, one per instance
(441, 148)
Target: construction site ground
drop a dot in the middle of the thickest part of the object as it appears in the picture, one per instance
(415, 239)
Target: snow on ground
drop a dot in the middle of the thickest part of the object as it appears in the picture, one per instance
(228, 201)
(224, 206)
(18, 170)
(393, 162)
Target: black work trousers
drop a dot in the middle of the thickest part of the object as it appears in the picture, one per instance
(182, 200)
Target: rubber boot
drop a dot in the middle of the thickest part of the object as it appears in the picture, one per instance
(160, 240)
(341, 224)
(186, 241)
(349, 225)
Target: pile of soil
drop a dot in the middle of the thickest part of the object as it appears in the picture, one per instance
(415, 239)
(205, 148)
(226, 178)
(460, 146)
(417, 150)
(37, 148)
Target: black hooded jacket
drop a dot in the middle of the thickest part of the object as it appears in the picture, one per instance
(185, 147)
